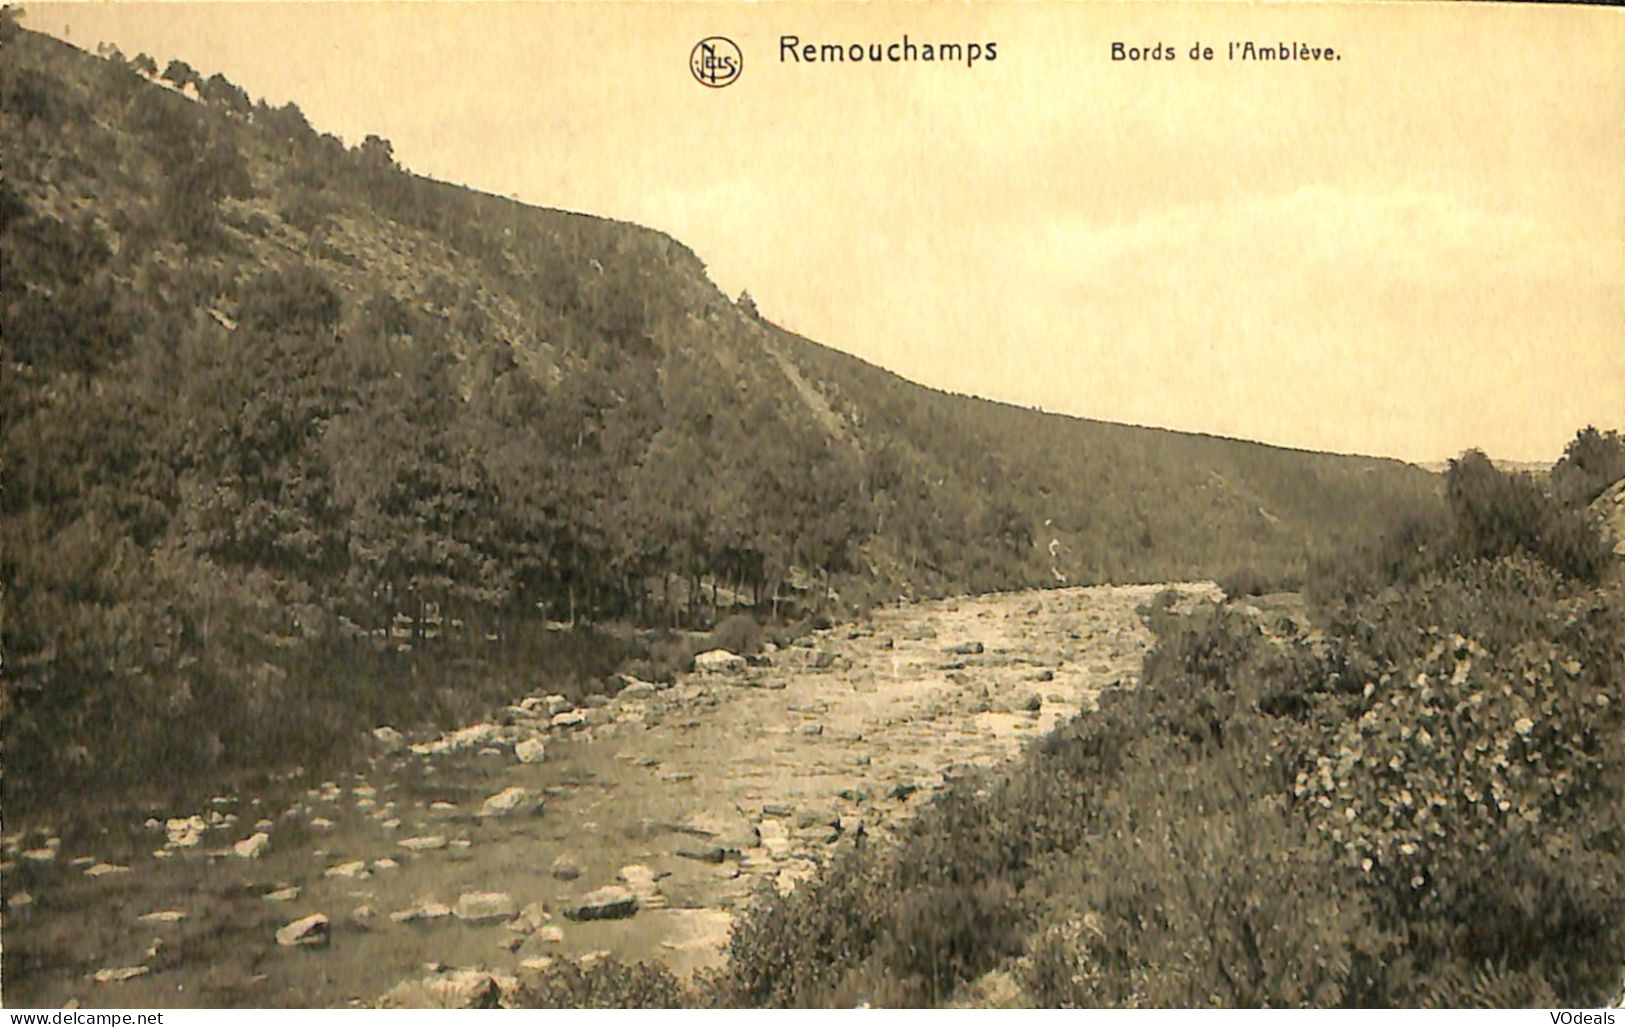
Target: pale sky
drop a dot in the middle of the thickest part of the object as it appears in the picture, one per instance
(1413, 250)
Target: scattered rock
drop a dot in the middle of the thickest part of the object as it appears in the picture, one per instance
(818, 816)
(635, 689)
(252, 847)
(354, 870)
(384, 864)
(113, 975)
(287, 894)
(163, 916)
(511, 802)
(182, 832)
(486, 907)
(531, 750)
(777, 809)
(550, 934)
(103, 869)
(311, 932)
(565, 869)
(426, 843)
(569, 719)
(611, 902)
(530, 919)
(555, 704)
(448, 989)
(642, 881)
(389, 740)
(1046, 675)
(472, 737)
(967, 649)
(703, 853)
(421, 911)
(719, 661)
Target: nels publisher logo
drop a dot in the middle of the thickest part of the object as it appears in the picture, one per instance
(716, 62)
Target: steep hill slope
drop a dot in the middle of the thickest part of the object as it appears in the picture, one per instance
(1012, 493)
(273, 404)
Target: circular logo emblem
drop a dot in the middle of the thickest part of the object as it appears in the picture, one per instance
(716, 62)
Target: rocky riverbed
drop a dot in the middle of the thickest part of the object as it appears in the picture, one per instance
(446, 869)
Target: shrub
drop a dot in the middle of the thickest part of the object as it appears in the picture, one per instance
(606, 984)
(1194, 899)
(1591, 462)
(1478, 778)
(1495, 514)
(1252, 581)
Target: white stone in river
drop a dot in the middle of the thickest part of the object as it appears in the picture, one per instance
(425, 843)
(486, 907)
(252, 847)
(310, 931)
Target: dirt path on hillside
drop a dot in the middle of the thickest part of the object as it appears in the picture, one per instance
(459, 855)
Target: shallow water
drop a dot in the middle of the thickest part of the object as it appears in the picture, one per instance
(862, 740)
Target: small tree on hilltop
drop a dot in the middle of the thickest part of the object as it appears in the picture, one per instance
(179, 74)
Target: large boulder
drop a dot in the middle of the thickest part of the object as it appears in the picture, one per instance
(719, 661)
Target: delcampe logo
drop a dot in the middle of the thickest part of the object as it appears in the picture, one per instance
(716, 61)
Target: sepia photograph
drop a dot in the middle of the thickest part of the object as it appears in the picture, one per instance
(789, 505)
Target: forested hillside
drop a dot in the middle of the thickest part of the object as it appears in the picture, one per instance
(268, 397)
(973, 491)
